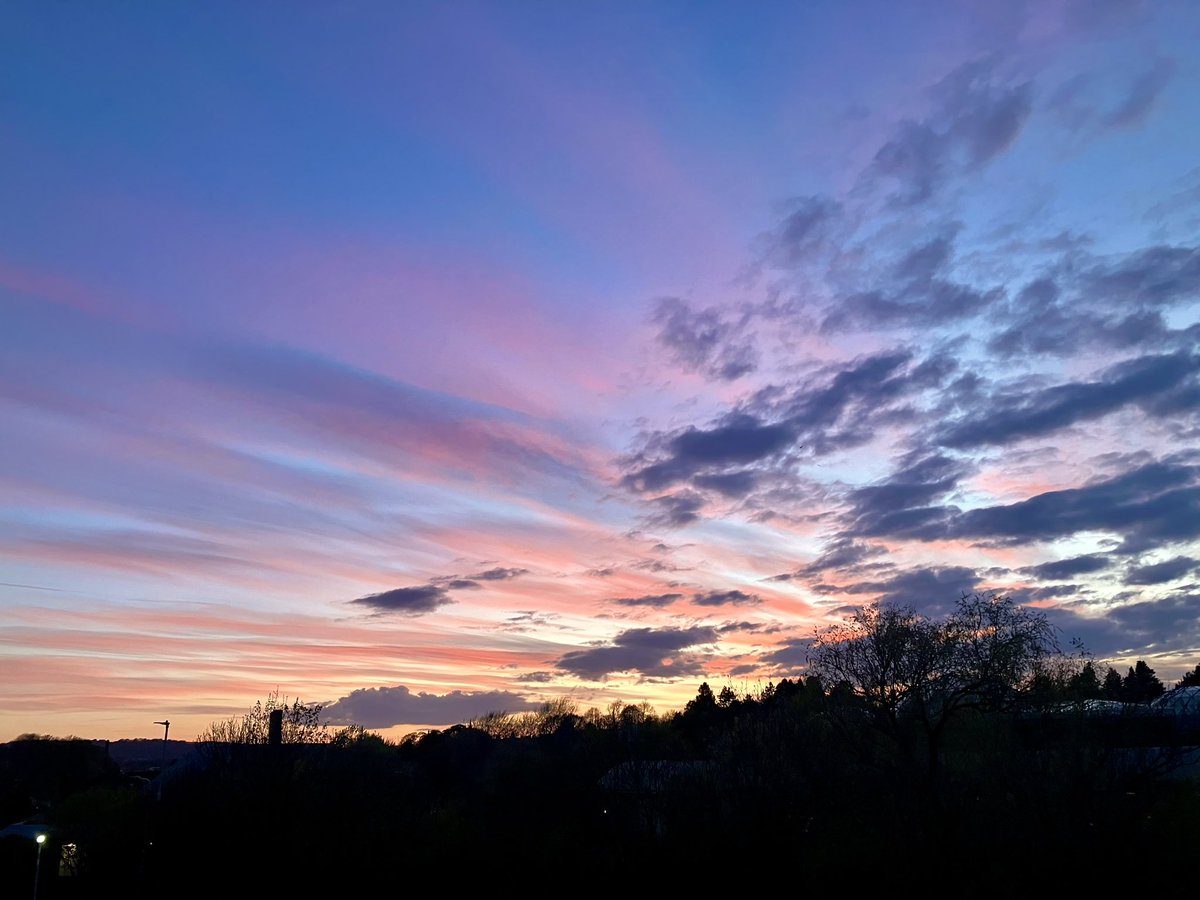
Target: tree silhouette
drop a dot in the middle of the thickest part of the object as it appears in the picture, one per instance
(914, 671)
(1085, 684)
(1141, 684)
(301, 724)
(1112, 684)
(1190, 679)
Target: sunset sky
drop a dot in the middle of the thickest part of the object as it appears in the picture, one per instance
(431, 359)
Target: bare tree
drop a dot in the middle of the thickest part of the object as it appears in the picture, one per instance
(301, 724)
(914, 673)
(547, 719)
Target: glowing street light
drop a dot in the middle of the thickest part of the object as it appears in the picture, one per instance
(37, 868)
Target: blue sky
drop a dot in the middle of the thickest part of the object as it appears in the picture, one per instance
(426, 360)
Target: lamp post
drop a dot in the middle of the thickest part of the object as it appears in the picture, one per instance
(37, 867)
(162, 764)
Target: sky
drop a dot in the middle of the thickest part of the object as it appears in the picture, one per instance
(425, 360)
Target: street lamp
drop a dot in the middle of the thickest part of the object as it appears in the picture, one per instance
(37, 868)
(162, 764)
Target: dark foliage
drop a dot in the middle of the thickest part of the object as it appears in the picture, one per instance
(800, 771)
(1190, 679)
(1141, 684)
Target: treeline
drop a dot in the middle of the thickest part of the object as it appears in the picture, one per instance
(1139, 685)
(794, 771)
(903, 755)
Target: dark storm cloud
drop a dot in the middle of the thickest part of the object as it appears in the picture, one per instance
(649, 651)
(931, 590)
(1161, 573)
(726, 598)
(1150, 382)
(1068, 568)
(384, 707)
(536, 677)
(976, 118)
(705, 340)
(1142, 96)
(461, 584)
(655, 600)
(412, 601)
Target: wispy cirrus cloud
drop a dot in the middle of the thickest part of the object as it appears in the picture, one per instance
(937, 337)
(653, 600)
(1142, 95)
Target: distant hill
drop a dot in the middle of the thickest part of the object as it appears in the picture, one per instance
(137, 754)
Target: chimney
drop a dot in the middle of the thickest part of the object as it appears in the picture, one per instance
(275, 728)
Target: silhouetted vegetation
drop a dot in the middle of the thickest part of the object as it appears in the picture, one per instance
(300, 724)
(968, 745)
(1190, 679)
